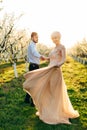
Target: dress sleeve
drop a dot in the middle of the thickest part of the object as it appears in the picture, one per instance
(63, 55)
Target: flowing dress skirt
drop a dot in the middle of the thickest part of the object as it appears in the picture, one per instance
(49, 93)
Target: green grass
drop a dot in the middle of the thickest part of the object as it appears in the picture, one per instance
(17, 115)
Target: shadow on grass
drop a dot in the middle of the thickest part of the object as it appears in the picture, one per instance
(6, 65)
(39, 125)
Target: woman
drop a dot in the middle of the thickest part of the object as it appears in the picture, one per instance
(48, 90)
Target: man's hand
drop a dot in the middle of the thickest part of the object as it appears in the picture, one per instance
(47, 58)
(44, 58)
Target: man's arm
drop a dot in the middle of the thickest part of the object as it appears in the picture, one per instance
(35, 52)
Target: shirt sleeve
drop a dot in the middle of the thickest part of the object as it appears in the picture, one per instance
(35, 52)
(63, 53)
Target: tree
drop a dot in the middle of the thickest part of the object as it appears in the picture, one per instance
(11, 39)
(79, 49)
(1, 5)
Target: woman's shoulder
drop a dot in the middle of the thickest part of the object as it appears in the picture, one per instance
(61, 46)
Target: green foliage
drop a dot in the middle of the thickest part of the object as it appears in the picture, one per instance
(17, 115)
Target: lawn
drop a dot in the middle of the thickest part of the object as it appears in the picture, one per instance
(17, 115)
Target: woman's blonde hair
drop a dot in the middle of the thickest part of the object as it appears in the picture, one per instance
(56, 33)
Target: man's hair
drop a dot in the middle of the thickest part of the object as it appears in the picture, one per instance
(33, 34)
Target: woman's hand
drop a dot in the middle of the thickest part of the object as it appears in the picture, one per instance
(47, 58)
(44, 58)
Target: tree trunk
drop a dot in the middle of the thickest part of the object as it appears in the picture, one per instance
(26, 69)
(15, 70)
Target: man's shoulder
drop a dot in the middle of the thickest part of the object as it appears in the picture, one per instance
(30, 45)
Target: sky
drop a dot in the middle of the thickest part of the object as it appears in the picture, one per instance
(45, 16)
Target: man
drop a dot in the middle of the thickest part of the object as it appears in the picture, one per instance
(34, 59)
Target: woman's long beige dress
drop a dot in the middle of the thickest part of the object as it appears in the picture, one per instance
(48, 90)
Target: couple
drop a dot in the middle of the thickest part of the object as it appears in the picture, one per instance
(46, 85)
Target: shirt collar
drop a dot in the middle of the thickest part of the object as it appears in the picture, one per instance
(33, 42)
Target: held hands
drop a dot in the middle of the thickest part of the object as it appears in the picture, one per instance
(47, 58)
(44, 58)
